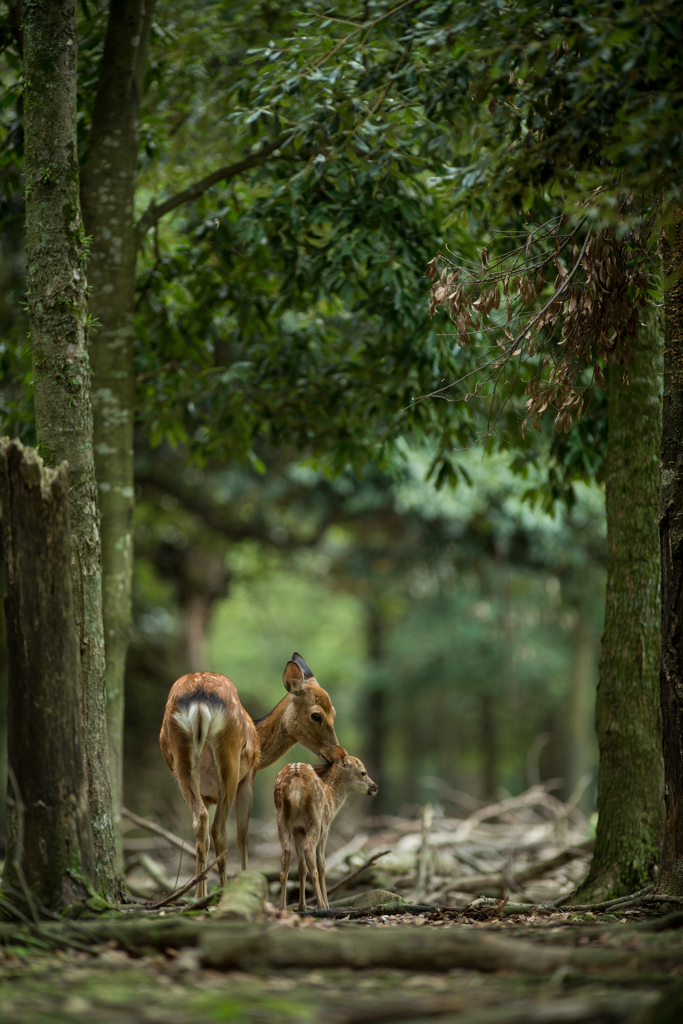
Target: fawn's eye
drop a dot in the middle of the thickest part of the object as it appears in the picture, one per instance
(316, 717)
(364, 773)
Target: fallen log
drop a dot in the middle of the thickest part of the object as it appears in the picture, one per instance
(243, 897)
(265, 945)
(254, 947)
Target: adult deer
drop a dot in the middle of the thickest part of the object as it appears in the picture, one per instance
(307, 799)
(214, 748)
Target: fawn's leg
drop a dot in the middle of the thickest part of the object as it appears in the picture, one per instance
(286, 858)
(243, 802)
(299, 837)
(310, 844)
(320, 859)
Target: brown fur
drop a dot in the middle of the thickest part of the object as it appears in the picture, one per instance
(307, 799)
(229, 762)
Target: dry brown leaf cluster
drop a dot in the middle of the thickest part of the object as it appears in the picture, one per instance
(585, 319)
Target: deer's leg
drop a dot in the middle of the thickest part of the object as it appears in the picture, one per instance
(310, 844)
(320, 859)
(200, 823)
(228, 775)
(299, 838)
(285, 860)
(243, 802)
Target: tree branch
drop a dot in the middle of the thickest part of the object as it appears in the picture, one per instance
(217, 515)
(155, 212)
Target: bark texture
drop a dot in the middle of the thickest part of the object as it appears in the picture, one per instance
(55, 257)
(630, 786)
(49, 837)
(107, 193)
(671, 538)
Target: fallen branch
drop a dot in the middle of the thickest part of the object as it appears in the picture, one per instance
(155, 872)
(358, 871)
(473, 883)
(184, 888)
(150, 826)
(534, 795)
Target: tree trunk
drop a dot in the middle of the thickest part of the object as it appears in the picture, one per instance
(49, 846)
(489, 746)
(55, 269)
(579, 736)
(107, 193)
(630, 785)
(671, 538)
(376, 705)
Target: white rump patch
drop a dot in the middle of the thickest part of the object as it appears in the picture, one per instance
(296, 790)
(201, 721)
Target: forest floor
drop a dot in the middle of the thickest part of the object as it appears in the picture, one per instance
(605, 971)
(464, 953)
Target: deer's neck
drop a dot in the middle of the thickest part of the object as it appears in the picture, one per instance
(337, 792)
(274, 739)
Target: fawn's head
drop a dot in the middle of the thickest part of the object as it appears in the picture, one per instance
(309, 717)
(352, 773)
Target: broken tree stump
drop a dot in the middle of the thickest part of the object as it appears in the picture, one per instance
(49, 838)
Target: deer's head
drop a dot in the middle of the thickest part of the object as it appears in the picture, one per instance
(309, 717)
(355, 777)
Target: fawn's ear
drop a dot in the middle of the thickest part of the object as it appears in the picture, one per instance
(293, 678)
(339, 756)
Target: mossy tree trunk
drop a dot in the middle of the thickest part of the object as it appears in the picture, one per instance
(56, 284)
(49, 837)
(671, 537)
(107, 192)
(630, 786)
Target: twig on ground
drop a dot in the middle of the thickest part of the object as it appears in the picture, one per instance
(150, 826)
(184, 888)
(358, 871)
(156, 873)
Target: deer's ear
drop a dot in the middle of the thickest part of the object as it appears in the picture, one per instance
(293, 678)
(339, 755)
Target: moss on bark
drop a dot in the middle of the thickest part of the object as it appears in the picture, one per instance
(671, 537)
(56, 285)
(107, 192)
(630, 788)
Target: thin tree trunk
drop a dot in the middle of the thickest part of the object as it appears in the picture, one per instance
(579, 726)
(107, 193)
(630, 786)
(489, 746)
(49, 848)
(376, 705)
(671, 538)
(55, 269)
